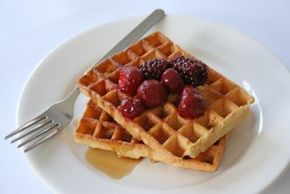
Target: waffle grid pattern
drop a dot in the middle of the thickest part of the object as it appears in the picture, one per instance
(162, 128)
(98, 130)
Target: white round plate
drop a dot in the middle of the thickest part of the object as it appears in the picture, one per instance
(258, 150)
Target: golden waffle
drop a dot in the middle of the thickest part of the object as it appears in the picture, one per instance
(99, 130)
(162, 128)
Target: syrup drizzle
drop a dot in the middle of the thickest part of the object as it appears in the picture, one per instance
(109, 164)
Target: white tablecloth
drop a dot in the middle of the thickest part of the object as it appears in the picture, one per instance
(30, 29)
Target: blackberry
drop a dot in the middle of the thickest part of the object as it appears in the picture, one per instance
(191, 70)
(153, 69)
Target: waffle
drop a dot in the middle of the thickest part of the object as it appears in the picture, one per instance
(162, 128)
(99, 130)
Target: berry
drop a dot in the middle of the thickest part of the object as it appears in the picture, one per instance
(191, 70)
(131, 108)
(171, 79)
(153, 69)
(129, 79)
(191, 104)
(152, 93)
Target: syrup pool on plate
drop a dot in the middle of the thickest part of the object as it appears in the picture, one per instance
(109, 163)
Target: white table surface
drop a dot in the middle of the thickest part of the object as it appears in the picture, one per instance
(30, 29)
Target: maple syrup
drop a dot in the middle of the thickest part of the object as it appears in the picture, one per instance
(108, 163)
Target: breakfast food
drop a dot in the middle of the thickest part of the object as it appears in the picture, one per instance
(99, 130)
(153, 69)
(152, 93)
(178, 121)
(129, 80)
(131, 108)
(191, 103)
(172, 80)
(192, 70)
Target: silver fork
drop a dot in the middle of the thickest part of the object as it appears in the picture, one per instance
(60, 114)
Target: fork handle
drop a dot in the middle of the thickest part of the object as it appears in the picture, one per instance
(135, 34)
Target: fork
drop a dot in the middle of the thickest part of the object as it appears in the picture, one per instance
(57, 116)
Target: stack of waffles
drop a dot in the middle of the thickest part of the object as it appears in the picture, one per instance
(159, 133)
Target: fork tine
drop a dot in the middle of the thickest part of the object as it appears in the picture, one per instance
(26, 125)
(37, 143)
(32, 131)
(37, 135)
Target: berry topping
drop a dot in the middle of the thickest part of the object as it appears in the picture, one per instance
(153, 69)
(171, 79)
(191, 70)
(129, 80)
(131, 108)
(152, 93)
(191, 104)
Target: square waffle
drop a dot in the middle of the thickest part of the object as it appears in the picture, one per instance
(161, 128)
(98, 129)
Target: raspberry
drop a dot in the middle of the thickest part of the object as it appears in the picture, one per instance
(191, 70)
(171, 79)
(153, 69)
(131, 108)
(129, 80)
(152, 93)
(191, 104)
